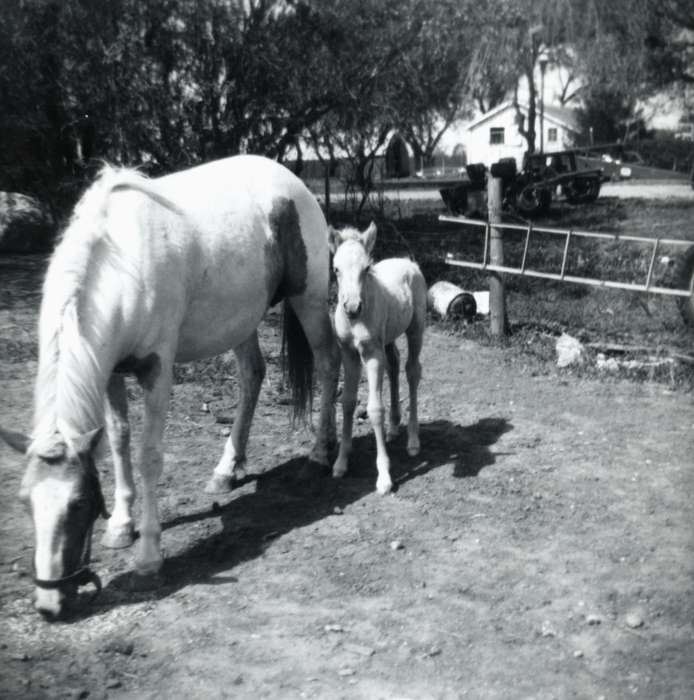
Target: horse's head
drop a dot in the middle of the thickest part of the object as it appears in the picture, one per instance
(352, 262)
(61, 490)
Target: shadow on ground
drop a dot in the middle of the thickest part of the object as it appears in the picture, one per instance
(294, 495)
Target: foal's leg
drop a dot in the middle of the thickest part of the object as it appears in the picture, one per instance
(413, 370)
(315, 321)
(157, 387)
(119, 529)
(393, 368)
(352, 368)
(374, 372)
(251, 368)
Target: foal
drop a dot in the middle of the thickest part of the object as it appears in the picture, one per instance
(376, 305)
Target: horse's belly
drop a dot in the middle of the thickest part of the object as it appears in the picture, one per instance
(200, 340)
(214, 326)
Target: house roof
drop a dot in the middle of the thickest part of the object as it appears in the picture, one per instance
(562, 116)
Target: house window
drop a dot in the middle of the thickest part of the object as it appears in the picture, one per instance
(552, 135)
(496, 135)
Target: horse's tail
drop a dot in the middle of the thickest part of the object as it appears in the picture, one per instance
(297, 363)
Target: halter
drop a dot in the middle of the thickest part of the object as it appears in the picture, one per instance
(82, 575)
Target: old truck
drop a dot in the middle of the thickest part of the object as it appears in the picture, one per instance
(530, 191)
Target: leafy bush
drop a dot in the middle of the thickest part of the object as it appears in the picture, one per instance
(667, 152)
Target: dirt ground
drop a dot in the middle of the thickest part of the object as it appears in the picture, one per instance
(541, 546)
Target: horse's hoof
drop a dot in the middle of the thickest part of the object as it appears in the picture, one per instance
(145, 581)
(118, 537)
(319, 455)
(219, 484)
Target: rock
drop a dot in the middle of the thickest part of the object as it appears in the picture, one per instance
(119, 646)
(593, 619)
(396, 544)
(358, 649)
(578, 654)
(333, 628)
(547, 630)
(569, 351)
(346, 671)
(633, 619)
(24, 224)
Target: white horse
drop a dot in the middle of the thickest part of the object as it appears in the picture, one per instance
(376, 304)
(148, 273)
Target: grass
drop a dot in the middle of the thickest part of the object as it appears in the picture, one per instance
(540, 310)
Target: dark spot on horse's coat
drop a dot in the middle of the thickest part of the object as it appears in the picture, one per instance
(285, 253)
(146, 369)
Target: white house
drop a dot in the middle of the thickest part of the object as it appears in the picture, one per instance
(495, 134)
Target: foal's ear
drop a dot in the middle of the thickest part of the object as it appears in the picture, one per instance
(368, 238)
(334, 239)
(17, 441)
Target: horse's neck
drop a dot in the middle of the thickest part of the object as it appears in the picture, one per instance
(73, 372)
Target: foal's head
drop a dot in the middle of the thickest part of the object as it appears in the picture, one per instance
(352, 263)
(61, 491)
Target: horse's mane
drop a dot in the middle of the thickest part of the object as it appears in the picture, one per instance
(69, 372)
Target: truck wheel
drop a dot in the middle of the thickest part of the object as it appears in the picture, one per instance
(533, 201)
(684, 274)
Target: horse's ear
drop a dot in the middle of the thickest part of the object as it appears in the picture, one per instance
(87, 443)
(17, 441)
(334, 239)
(368, 238)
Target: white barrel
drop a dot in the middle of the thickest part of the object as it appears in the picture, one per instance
(449, 300)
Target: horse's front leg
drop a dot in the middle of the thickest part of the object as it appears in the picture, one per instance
(157, 387)
(119, 529)
(352, 370)
(376, 411)
(231, 466)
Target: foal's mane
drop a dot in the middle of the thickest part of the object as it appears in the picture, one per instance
(69, 379)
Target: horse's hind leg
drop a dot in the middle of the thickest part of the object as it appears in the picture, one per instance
(352, 369)
(251, 368)
(119, 529)
(413, 370)
(393, 368)
(315, 321)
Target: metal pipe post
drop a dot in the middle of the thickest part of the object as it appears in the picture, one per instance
(497, 298)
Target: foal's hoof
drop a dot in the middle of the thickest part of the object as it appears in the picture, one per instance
(145, 582)
(339, 470)
(219, 484)
(384, 487)
(413, 447)
(118, 537)
(392, 433)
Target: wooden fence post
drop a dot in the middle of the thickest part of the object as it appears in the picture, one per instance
(497, 299)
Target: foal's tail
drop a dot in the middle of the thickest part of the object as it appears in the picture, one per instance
(297, 363)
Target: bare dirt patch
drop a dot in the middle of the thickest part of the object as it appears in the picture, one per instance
(542, 545)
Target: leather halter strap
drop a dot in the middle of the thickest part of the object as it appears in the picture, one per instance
(82, 576)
